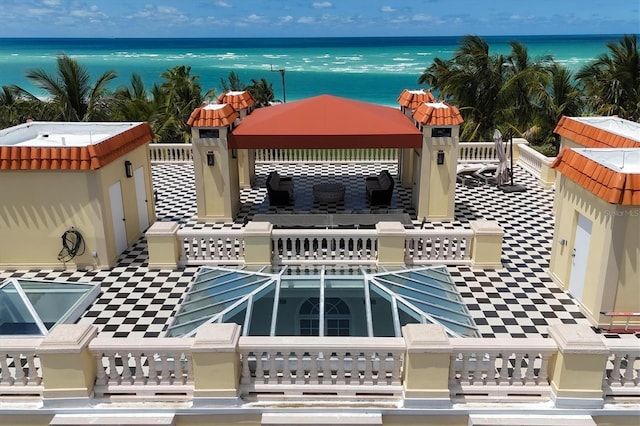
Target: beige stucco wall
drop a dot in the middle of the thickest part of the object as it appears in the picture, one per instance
(217, 186)
(425, 420)
(613, 272)
(219, 420)
(38, 206)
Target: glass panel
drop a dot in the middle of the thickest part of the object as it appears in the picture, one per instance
(293, 293)
(344, 306)
(408, 315)
(435, 290)
(440, 312)
(183, 330)
(14, 316)
(381, 313)
(460, 329)
(433, 279)
(236, 315)
(262, 312)
(221, 285)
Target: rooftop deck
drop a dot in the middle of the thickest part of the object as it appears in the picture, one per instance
(519, 300)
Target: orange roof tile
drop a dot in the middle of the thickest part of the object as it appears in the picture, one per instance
(437, 114)
(612, 186)
(592, 137)
(238, 100)
(213, 115)
(90, 157)
(414, 98)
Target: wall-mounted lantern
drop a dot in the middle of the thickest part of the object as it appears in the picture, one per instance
(440, 157)
(128, 168)
(211, 160)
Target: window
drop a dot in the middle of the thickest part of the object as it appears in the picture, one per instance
(337, 317)
(209, 133)
(441, 132)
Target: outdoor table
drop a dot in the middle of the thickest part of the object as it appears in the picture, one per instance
(328, 192)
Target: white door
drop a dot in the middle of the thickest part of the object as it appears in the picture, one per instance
(579, 257)
(117, 216)
(415, 189)
(141, 198)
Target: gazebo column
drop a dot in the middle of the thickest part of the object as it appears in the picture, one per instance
(246, 167)
(216, 174)
(405, 166)
(435, 181)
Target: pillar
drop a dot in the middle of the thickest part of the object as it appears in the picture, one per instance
(163, 245)
(391, 243)
(435, 180)
(257, 243)
(68, 367)
(216, 364)
(216, 174)
(486, 245)
(578, 368)
(426, 366)
(246, 167)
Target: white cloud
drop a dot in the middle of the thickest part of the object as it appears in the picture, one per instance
(387, 9)
(306, 20)
(222, 3)
(321, 4)
(285, 19)
(167, 9)
(422, 18)
(255, 18)
(51, 2)
(38, 12)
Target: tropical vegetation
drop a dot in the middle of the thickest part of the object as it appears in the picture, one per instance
(518, 94)
(525, 96)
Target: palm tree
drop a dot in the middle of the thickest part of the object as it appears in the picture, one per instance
(262, 92)
(612, 81)
(232, 82)
(178, 96)
(133, 102)
(70, 95)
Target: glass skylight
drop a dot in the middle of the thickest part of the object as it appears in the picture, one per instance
(33, 308)
(323, 301)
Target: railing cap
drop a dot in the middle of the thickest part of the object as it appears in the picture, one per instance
(68, 338)
(421, 338)
(19, 344)
(258, 228)
(390, 228)
(163, 228)
(143, 345)
(217, 338)
(307, 343)
(577, 338)
(486, 227)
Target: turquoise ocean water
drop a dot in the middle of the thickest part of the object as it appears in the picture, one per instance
(374, 69)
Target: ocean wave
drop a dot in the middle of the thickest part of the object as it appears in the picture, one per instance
(403, 59)
(271, 56)
(349, 58)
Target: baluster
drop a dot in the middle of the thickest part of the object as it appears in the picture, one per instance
(517, 369)
(628, 370)
(291, 367)
(114, 376)
(32, 371)
(341, 375)
(529, 374)
(101, 377)
(321, 369)
(260, 368)
(465, 373)
(5, 376)
(126, 370)
(246, 371)
(396, 369)
(313, 367)
(490, 370)
(20, 378)
(165, 375)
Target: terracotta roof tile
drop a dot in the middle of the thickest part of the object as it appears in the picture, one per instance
(213, 115)
(610, 185)
(414, 98)
(88, 157)
(592, 137)
(437, 114)
(237, 99)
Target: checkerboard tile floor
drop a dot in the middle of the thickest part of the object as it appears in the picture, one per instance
(519, 300)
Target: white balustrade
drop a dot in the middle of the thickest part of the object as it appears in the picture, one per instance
(211, 247)
(170, 152)
(622, 375)
(531, 160)
(20, 371)
(376, 155)
(428, 247)
(501, 368)
(159, 368)
(297, 246)
(313, 366)
(477, 152)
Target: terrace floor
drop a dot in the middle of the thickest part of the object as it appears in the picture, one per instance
(519, 300)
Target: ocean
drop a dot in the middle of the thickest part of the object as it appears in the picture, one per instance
(372, 69)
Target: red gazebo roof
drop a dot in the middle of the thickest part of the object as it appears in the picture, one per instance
(326, 121)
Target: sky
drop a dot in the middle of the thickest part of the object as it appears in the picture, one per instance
(314, 18)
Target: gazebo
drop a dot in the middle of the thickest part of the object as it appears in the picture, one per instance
(324, 122)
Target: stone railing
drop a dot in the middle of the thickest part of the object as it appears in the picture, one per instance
(376, 155)
(207, 247)
(170, 152)
(537, 165)
(511, 368)
(20, 371)
(485, 152)
(424, 368)
(389, 242)
(434, 247)
(149, 368)
(295, 246)
(316, 366)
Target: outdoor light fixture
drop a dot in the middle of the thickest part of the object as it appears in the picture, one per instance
(440, 157)
(234, 153)
(211, 160)
(128, 168)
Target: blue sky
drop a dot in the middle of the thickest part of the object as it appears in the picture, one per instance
(314, 18)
